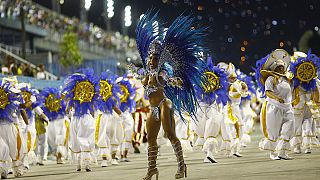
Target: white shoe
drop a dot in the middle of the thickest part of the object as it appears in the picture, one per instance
(88, 168)
(125, 160)
(274, 156)
(4, 175)
(18, 172)
(209, 159)
(60, 161)
(114, 162)
(104, 163)
(237, 154)
(40, 162)
(307, 151)
(79, 167)
(297, 150)
(285, 156)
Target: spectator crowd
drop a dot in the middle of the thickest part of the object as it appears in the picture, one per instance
(52, 21)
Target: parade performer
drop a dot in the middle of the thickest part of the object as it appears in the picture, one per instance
(31, 134)
(108, 107)
(305, 98)
(210, 114)
(82, 93)
(172, 62)
(277, 116)
(142, 108)
(11, 138)
(127, 106)
(247, 112)
(236, 91)
(54, 107)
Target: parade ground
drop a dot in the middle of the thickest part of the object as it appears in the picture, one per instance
(254, 164)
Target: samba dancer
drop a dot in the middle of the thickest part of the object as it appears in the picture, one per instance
(172, 63)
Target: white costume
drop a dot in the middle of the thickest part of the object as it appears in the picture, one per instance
(248, 116)
(233, 115)
(82, 133)
(127, 124)
(58, 135)
(102, 139)
(12, 148)
(277, 118)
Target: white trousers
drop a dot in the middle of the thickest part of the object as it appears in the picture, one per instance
(235, 124)
(277, 126)
(102, 139)
(11, 147)
(82, 131)
(128, 124)
(58, 135)
(115, 132)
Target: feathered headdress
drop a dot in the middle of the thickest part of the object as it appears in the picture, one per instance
(53, 103)
(127, 95)
(216, 88)
(8, 105)
(249, 82)
(82, 91)
(109, 91)
(305, 71)
(179, 56)
(28, 94)
(258, 76)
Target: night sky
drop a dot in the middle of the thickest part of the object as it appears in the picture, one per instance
(261, 24)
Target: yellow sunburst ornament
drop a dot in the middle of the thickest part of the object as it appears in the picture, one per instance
(83, 91)
(4, 100)
(105, 90)
(53, 103)
(213, 82)
(306, 71)
(125, 94)
(26, 96)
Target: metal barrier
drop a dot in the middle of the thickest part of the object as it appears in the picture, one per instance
(49, 75)
(36, 83)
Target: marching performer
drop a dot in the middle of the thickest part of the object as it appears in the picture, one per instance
(142, 108)
(173, 65)
(11, 137)
(54, 106)
(305, 97)
(108, 106)
(127, 106)
(237, 90)
(82, 93)
(34, 112)
(210, 114)
(247, 112)
(277, 116)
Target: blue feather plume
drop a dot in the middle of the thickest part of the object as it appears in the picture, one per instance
(130, 103)
(311, 85)
(257, 69)
(219, 95)
(52, 115)
(146, 32)
(70, 83)
(6, 114)
(107, 106)
(184, 45)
